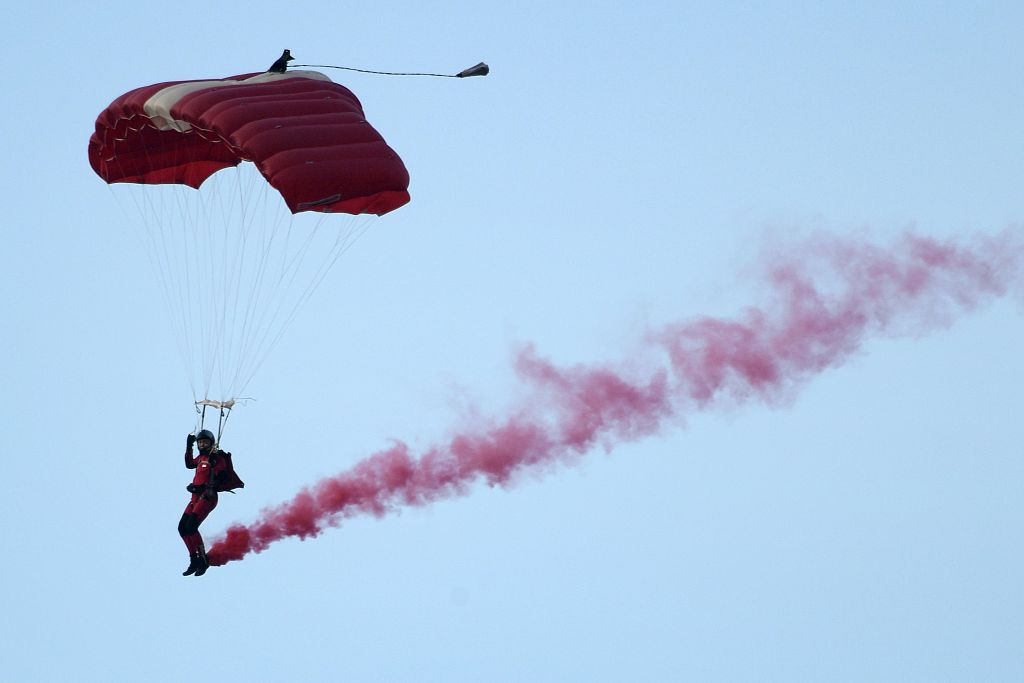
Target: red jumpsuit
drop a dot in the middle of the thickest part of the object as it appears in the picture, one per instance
(214, 472)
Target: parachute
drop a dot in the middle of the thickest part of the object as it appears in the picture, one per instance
(307, 135)
(247, 189)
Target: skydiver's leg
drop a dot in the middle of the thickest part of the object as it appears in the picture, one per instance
(188, 525)
(201, 510)
(195, 512)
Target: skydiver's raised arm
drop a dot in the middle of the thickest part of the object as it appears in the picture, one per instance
(190, 461)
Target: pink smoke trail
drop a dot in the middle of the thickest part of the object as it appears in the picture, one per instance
(825, 298)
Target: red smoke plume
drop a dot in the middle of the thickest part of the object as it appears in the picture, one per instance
(825, 297)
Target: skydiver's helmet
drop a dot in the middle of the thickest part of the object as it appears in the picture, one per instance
(206, 435)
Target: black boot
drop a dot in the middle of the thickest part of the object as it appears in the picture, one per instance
(203, 563)
(193, 564)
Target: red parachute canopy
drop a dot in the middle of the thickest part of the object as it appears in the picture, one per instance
(306, 134)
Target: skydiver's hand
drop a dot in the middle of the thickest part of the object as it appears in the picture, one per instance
(191, 440)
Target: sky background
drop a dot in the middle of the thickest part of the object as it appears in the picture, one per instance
(619, 169)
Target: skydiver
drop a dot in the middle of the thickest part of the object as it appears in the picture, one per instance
(281, 65)
(214, 472)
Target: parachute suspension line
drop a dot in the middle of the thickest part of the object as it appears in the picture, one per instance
(224, 284)
(199, 243)
(230, 273)
(215, 282)
(344, 239)
(260, 290)
(238, 281)
(182, 238)
(218, 244)
(162, 244)
(197, 254)
(239, 303)
(180, 224)
(274, 320)
(153, 236)
(146, 236)
(179, 232)
(202, 245)
(232, 282)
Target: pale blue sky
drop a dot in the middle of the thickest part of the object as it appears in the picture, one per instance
(617, 170)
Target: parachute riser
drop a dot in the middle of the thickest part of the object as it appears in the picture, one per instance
(223, 413)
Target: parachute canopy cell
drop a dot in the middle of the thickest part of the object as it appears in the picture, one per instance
(306, 134)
